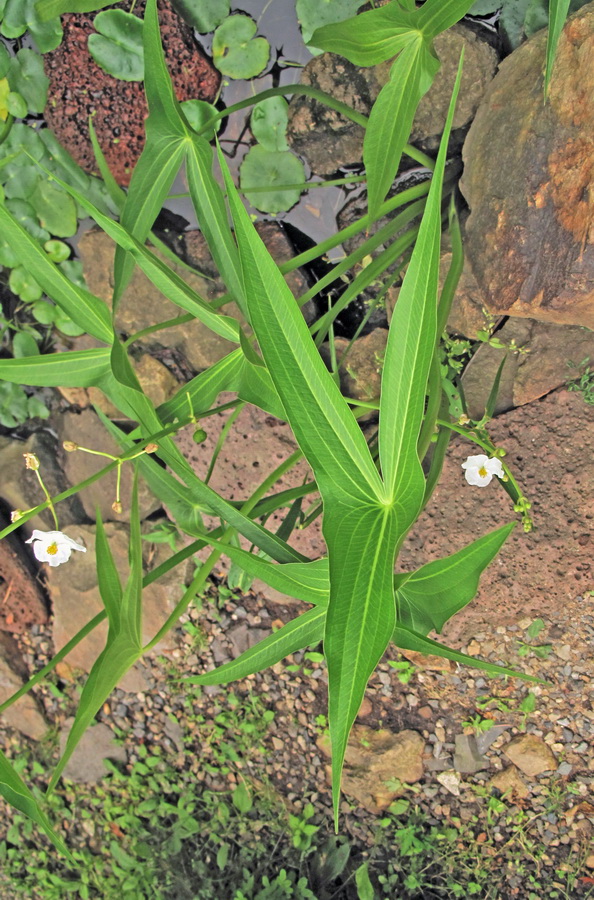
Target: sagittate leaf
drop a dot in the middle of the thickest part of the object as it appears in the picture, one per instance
(203, 15)
(15, 791)
(372, 37)
(236, 52)
(268, 123)
(434, 593)
(313, 14)
(117, 47)
(271, 169)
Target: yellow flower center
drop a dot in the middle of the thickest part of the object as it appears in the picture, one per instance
(52, 549)
(482, 472)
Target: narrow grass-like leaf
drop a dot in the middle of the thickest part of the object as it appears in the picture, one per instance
(200, 393)
(110, 587)
(410, 349)
(408, 639)
(371, 37)
(492, 398)
(304, 631)
(15, 791)
(79, 304)
(124, 645)
(558, 10)
(392, 115)
(427, 598)
(77, 368)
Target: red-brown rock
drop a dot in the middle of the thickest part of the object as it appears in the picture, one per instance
(79, 88)
(528, 175)
(22, 602)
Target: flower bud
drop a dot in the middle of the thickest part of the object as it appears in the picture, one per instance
(16, 514)
(199, 436)
(31, 461)
(117, 507)
(150, 448)
(70, 446)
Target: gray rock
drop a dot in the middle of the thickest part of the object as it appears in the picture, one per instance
(531, 755)
(467, 758)
(24, 715)
(86, 765)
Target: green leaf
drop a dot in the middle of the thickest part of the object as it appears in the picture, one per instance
(392, 115)
(49, 9)
(23, 285)
(117, 47)
(198, 113)
(427, 598)
(83, 307)
(124, 640)
(16, 105)
(371, 37)
(203, 15)
(110, 587)
(271, 169)
(26, 76)
(268, 123)
(21, 16)
(558, 10)
(407, 639)
(236, 52)
(365, 889)
(5, 58)
(436, 16)
(15, 791)
(306, 630)
(241, 798)
(313, 14)
(484, 7)
(24, 345)
(78, 368)
(55, 209)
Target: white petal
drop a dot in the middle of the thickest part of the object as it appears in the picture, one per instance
(475, 462)
(495, 467)
(64, 539)
(472, 477)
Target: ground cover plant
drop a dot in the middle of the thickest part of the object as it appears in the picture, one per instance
(373, 485)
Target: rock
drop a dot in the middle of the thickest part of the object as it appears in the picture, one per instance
(22, 601)
(365, 709)
(86, 428)
(538, 366)
(451, 781)
(527, 177)
(509, 783)
(361, 375)
(467, 758)
(86, 765)
(79, 88)
(480, 64)
(242, 638)
(329, 141)
(484, 740)
(143, 305)
(379, 764)
(20, 488)
(530, 754)
(75, 598)
(24, 715)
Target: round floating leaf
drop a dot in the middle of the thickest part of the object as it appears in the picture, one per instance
(44, 312)
(7, 256)
(271, 169)
(13, 404)
(16, 105)
(117, 47)
(198, 112)
(23, 181)
(65, 324)
(55, 209)
(25, 214)
(37, 408)
(24, 344)
(26, 77)
(21, 16)
(23, 285)
(57, 251)
(236, 52)
(4, 59)
(269, 123)
(203, 15)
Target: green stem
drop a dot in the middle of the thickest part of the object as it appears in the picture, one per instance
(222, 438)
(160, 326)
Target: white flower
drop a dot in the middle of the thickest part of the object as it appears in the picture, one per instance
(53, 547)
(480, 469)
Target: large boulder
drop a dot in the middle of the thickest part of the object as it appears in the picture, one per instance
(528, 173)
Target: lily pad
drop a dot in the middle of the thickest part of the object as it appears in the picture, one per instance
(203, 15)
(198, 112)
(271, 169)
(312, 14)
(4, 60)
(21, 15)
(26, 76)
(117, 47)
(55, 209)
(269, 123)
(236, 52)
(23, 285)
